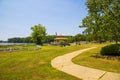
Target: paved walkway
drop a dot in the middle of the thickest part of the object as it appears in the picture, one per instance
(64, 63)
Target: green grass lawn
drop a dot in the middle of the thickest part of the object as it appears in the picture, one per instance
(34, 64)
(88, 59)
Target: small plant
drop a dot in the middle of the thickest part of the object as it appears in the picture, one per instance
(112, 50)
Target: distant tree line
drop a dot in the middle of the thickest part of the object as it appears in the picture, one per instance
(20, 40)
(1, 41)
(48, 39)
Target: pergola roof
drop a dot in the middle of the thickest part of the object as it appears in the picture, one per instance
(60, 38)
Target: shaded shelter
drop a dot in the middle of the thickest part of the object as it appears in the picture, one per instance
(60, 37)
(61, 40)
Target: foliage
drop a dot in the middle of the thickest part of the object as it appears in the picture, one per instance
(71, 39)
(64, 43)
(103, 20)
(20, 40)
(79, 37)
(113, 49)
(50, 38)
(38, 34)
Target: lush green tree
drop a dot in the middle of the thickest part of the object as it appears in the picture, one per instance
(78, 38)
(112, 18)
(93, 22)
(39, 34)
(103, 20)
(27, 40)
(71, 39)
(50, 38)
(15, 40)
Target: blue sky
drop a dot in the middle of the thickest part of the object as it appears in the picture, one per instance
(61, 16)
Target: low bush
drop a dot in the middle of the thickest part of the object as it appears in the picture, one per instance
(64, 44)
(112, 50)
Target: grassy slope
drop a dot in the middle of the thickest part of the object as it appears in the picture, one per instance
(34, 64)
(87, 59)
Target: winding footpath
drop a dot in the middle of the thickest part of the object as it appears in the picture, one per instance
(64, 64)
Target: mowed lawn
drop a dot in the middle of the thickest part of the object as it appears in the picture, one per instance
(89, 59)
(34, 64)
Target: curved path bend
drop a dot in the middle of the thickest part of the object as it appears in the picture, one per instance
(64, 64)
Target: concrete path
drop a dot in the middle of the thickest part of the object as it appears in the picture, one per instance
(64, 63)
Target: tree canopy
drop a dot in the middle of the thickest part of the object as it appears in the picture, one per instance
(39, 34)
(20, 40)
(103, 20)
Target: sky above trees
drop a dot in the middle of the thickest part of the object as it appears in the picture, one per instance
(61, 16)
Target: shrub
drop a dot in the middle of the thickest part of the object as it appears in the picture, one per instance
(112, 50)
(64, 44)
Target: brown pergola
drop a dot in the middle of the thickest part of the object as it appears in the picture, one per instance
(58, 38)
(61, 40)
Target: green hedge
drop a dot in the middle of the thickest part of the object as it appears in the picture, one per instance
(112, 50)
